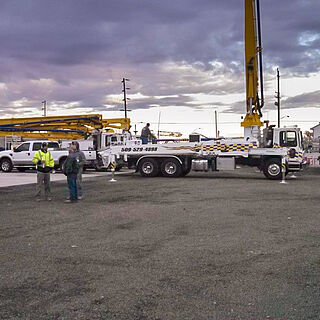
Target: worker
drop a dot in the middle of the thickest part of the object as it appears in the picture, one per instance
(70, 169)
(75, 145)
(44, 164)
(146, 134)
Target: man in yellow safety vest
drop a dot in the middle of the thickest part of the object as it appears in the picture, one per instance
(44, 164)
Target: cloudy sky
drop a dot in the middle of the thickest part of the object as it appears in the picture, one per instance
(184, 59)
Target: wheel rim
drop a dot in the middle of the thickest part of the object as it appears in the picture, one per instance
(274, 169)
(170, 168)
(147, 168)
(5, 166)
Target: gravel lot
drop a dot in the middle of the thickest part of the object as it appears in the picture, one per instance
(207, 246)
(15, 178)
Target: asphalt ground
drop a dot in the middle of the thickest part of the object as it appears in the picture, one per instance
(207, 246)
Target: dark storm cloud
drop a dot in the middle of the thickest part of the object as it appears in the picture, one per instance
(311, 99)
(81, 49)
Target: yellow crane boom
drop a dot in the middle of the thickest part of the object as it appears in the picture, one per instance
(60, 127)
(252, 53)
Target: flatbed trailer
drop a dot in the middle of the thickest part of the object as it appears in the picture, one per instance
(177, 159)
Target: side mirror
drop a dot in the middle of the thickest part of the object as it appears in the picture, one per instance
(14, 149)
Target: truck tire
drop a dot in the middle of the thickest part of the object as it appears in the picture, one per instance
(171, 168)
(98, 167)
(272, 169)
(6, 165)
(148, 167)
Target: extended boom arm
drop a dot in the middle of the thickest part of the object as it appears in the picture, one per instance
(253, 50)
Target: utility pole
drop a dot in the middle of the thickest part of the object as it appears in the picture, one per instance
(44, 108)
(124, 90)
(277, 103)
(216, 122)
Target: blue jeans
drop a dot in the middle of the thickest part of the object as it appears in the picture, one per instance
(72, 185)
(144, 140)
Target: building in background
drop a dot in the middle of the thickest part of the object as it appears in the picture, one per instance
(316, 132)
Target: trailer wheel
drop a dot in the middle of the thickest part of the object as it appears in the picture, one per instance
(272, 169)
(171, 168)
(148, 168)
(6, 165)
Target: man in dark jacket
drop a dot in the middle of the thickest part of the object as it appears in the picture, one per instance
(71, 169)
(75, 145)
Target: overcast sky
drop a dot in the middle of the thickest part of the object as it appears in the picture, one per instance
(181, 56)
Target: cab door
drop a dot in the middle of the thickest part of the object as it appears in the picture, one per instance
(22, 154)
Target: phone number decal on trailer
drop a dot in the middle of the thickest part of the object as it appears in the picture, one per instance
(139, 149)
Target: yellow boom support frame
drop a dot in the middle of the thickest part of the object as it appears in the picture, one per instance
(252, 117)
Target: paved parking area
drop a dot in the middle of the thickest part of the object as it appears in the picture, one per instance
(207, 246)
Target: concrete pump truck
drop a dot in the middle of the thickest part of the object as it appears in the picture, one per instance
(265, 151)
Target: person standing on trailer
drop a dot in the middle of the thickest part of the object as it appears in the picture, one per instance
(82, 158)
(44, 164)
(146, 134)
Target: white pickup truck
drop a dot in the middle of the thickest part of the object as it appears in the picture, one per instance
(21, 157)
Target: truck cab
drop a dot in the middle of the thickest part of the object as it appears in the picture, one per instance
(117, 139)
(289, 138)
